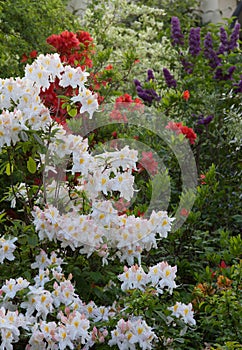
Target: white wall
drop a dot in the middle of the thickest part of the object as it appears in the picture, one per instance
(78, 6)
(215, 10)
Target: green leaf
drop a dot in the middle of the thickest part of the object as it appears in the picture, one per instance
(31, 165)
(9, 169)
(33, 241)
(72, 112)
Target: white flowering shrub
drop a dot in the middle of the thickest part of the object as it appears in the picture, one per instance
(60, 221)
(131, 35)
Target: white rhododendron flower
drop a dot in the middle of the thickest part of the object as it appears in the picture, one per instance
(7, 247)
(183, 311)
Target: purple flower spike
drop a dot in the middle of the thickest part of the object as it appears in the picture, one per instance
(194, 41)
(209, 53)
(137, 82)
(208, 43)
(223, 42)
(170, 81)
(150, 75)
(219, 75)
(233, 43)
(176, 35)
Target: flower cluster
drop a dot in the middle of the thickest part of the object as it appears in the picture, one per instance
(74, 48)
(147, 93)
(64, 330)
(131, 332)
(148, 163)
(54, 316)
(179, 128)
(194, 41)
(27, 95)
(124, 104)
(184, 312)
(169, 78)
(176, 35)
(10, 322)
(213, 56)
(102, 230)
(159, 276)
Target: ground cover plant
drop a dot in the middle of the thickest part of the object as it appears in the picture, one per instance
(120, 210)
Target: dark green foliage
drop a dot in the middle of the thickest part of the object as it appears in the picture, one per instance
(25, 25)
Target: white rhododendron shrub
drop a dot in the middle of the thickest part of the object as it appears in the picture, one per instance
(44, 311)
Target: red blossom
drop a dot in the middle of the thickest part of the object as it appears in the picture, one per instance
(202, 178)
(184, 212)
(186, 95)
(148, 163)
(65, 42)
(24, 58)
(189, 134)
(84, 38)
(223, 264)
(179, 128)
(124, 98)
(33, 54)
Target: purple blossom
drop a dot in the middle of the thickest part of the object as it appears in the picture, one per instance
(194, 41)
(204, 120)
(176, 34)
(209, 53)
(137, 82)
(220, 75)
(223, 41)
(147, 95)
(233, 43)
(208, 42)
(238, 86)
(170, 81)
(150, 75)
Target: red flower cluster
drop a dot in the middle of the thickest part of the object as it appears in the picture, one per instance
(73, 47)
(99, 80)
(179, 128)
(148, 163)
(124, 103)
(32, 54)
(202, 179)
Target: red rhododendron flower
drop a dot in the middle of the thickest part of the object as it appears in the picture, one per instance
(186, 95)
(24, 58)
(184, 212)
(124, 98)
(179, 128)
(223, 264)
(64, 42)
(148, 163)
(84, 38)
(189, 133)
(108, 67)
(33, 54)
(202, 178)
(174, 126)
